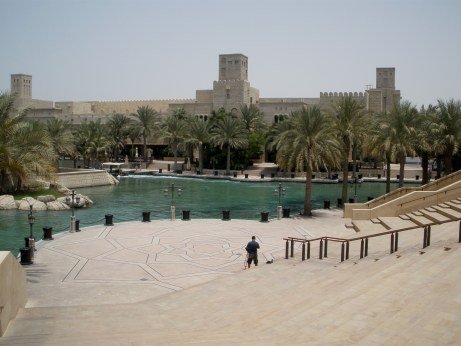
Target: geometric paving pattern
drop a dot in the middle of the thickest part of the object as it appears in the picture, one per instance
(161, 254)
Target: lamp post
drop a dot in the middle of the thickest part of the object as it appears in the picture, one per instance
(279, 191)
(31, 219)
(72, 201)
(171, 189)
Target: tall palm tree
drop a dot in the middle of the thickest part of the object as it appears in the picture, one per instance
(61, 136)
(307, 141)
(118, 126)
(447, 131)
(173, 130)
(230, 132)
(25, 148)
(134, 134)
(395, 135)
(198, 134)
(425, 142)
(149, 122)
(350, 123)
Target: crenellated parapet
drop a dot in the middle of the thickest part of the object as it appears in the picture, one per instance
(342, 94)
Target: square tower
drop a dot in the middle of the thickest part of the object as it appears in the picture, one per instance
(385, 78)
(233, 67)
(21, 84)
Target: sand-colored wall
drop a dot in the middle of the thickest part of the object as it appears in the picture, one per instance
(85, 178)
(13, 294)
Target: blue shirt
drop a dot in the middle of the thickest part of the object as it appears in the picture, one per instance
(252, 247)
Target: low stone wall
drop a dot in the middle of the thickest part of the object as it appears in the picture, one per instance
(13, 295)
(85, 178)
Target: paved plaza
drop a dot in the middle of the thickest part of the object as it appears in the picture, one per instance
(134, 261)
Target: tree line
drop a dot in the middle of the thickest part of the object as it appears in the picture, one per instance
(307, 140)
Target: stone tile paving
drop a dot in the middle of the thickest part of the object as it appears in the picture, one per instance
(134, 261)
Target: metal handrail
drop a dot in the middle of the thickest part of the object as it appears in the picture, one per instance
(394, 243)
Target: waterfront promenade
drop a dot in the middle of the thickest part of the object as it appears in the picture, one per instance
(182, 282)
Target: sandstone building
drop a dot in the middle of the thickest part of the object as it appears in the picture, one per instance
(230, 91)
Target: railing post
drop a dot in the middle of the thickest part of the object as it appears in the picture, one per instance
(361, 248)
(325, 249)
(459, 236)
(347, 250)
(292, 247)
(308, 250)
(286, 250)
(366, 247)
(342, 252)
(392, 243)
(396, 241)
(321, 249)
(303, 252)
(428, 241)
(425, 237)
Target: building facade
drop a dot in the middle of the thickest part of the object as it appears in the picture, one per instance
(231, 91)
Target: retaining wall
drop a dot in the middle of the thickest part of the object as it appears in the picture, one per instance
(85, 178)
(13, 295)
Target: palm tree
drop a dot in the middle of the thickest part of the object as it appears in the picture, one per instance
(198, 134)
(134, 134)
(25, 148)
(173, 130)
(118, 126)
(252, 117)
(395, 135)
(447, 131)
(425, 139)
(230, 132)
(350, 123)
(61, 136)
(148, 121)
(307, 140)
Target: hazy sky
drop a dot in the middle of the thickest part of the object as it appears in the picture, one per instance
(140, 49)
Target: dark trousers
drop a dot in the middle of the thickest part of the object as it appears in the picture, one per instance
(252, 257)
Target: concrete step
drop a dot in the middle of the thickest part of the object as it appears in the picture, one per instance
(454, 206)
(419, 220)
(367, 225)
(432, 214)
(396, 222)
(448, 212)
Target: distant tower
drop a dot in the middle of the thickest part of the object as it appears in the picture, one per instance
(385, 78)
(233, 67)
(21, 84)
(384, 96)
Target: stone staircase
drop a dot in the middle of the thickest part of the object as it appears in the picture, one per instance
(429, 216)
(410, 297)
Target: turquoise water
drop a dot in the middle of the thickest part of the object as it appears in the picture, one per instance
(204, 198)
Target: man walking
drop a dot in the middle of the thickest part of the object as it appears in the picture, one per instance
(252, 249)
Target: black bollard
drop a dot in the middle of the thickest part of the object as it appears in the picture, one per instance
(109, 218)
(286, 213)
(351, 200)
(27, 255)
(146, 216)
(262, 176)
(216, 173)
(339, 202)
(326, 204)
(235, 174)
(370, 198)
(264, 216)
(226, 215)
(77, 225)
(160, 170)
(47, 233)
(379, 176)
(186, 215)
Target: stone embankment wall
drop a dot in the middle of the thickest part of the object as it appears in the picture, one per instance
(85, 178)
(13, 295)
